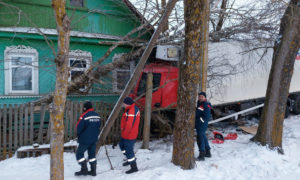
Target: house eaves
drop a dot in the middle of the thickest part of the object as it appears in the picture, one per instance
(138, 14)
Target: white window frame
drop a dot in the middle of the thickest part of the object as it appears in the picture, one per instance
(21, 51)
(82, 56)
(115, 72)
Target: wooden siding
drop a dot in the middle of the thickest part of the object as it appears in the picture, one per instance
(101, 16)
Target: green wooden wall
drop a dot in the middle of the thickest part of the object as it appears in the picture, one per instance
(112, 18)
(97, 16)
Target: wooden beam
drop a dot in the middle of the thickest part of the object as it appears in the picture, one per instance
(116, 110)
(147, 119)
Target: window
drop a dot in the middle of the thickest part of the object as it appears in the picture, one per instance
(21, 70)
(122, 75)
(79, 62)
(78, 3)
(143, 83)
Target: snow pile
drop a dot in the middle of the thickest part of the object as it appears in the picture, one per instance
(235, 159)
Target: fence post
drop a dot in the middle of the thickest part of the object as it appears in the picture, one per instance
(75, 112)
(71, 120)
(67, 113)
(21, 108)
(1, 148)
(26, 126)
(42, 119)
(31, 122)
(49, 130)
(15, 110)
(4, 131)
(10, 115)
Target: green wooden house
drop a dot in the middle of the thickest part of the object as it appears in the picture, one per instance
(28, 38)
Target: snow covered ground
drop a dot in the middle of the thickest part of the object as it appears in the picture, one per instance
(235, 159)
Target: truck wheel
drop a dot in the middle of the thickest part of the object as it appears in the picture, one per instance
(296, 108)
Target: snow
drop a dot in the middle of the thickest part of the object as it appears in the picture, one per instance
(47, 31)
(235, 159)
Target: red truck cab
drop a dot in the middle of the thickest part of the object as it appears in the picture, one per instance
(165, 84)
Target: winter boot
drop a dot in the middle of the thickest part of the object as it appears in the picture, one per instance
(133, 168)
(126, 163)
(201, 156)
(84, 170)
(207, 153)
(93, 168)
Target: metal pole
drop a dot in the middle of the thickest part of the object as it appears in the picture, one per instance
(235, 114)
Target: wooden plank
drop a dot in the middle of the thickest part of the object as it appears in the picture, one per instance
(66, 121)
(250, 130)
(4, 131)
(71, 120)
(80, 107)
(49, 130)
(97, 107)
(15, 111)
(21, 108)
(31, 123)
(10, 133)
(1, 148)
(108, 139)
(35, 152)
(26, 141)
(42, 120)
(147, 115)
(75, 114)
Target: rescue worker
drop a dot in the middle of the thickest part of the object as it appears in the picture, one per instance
(88, 129)
(203, 115)
(129, 130)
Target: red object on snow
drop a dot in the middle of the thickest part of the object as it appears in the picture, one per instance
(219, 139)
(218, 135)
(231, 136)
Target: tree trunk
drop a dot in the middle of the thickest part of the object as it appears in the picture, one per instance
(166, 27)
(286, 47)
(60, 93)
(189, 78)
(204, 37)
(221, 16)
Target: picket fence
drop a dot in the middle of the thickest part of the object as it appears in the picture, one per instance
(26, 124)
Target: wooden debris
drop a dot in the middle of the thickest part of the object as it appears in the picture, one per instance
(250, 130)
(35, 152)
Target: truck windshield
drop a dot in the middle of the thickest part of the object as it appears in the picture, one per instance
(143, 83)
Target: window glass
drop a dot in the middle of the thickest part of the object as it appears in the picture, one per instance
(22, 61)
(21, 78)
(143, 83)
(21, 70)
(21, 73)
(122, 74)
(122, 79)
(77, 63)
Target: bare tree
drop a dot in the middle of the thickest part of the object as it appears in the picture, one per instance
(196, 15)
(286, 47)
(60, 93)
